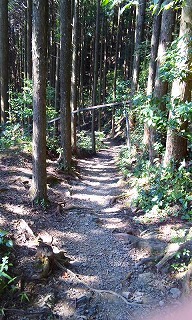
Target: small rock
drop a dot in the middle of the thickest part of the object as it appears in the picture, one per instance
(161, 303)
(145, 278)
(126, 294)
(138, 297)
(122, 237)
(175, 292)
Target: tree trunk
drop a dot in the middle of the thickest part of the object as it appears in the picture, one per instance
(57, 85)
(140, 16)
(176, 144)
(39, 50)
(115, 71)
(29, 39)
(74, 78)
(95, 75)
(148, 138)
(4, 53)
(166, 35)
(65, 83)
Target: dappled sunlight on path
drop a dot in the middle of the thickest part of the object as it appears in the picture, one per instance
(100, 179)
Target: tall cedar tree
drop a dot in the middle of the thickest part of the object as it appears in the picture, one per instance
(95, 74)
(39, 47)
(74, 77)
(65, 83)
(4, 59)
(149, 130)
(176, 143)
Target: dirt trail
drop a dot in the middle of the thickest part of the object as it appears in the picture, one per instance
(89, 234)
(100, 258)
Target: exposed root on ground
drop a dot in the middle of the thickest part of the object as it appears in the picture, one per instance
(49, 260)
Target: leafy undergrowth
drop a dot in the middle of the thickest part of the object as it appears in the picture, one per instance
(84, 143)
(161, 192)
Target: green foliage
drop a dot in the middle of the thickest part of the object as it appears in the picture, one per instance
(4, 241)
(181, 260)
(21, 103)
(24, 297)
(84, 141)
(149, 111)
(5, 246)
(151, 114)
(165, 188)
(14, 135)
(175, 65)
(18, 129)
(122, 89)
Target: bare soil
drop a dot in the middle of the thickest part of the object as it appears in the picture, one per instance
(96, 228)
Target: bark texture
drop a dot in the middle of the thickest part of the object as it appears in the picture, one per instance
(140, 18)
(95, 74)
(4, 59)
(65, 83)
(166, 35)
(149, 130)
(39, 40)
(74, 77)
(29, 38)
(176, 144)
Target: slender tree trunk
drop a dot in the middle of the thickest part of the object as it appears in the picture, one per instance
(140, 18)
(74, 78)
(166, 35)
(149, 130)
(131, 43)
(4, 60)
(101, 70)
(65, 83)
(39, 37)
(115, 71)
(29, 39)
(176, 144)
(95, 75)
(57, 85)
(81, 65)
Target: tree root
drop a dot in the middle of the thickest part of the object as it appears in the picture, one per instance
(26, 312)
(149, 259)
(99, 291)
(50, 259)
(173, 249)
(117, 197)
(62, 208)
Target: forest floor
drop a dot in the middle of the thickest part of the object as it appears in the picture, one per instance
(96, 228)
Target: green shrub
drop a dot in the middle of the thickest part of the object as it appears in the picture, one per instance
(5, 266)
(166, 189)
(84, 140)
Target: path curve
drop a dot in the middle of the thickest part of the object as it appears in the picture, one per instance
(102, 261)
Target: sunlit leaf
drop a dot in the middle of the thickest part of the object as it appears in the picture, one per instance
(9, 243)
(3, 233)
(128, 5)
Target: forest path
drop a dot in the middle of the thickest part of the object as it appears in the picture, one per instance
(99, 257)
(93, 230)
